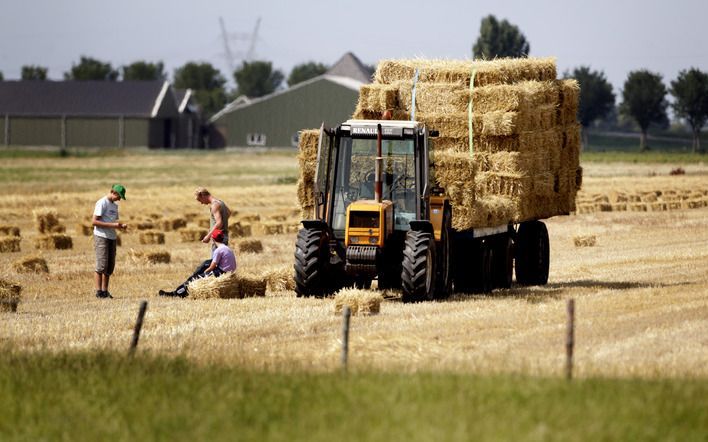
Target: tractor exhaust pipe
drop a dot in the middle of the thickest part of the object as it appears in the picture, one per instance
(378, 184)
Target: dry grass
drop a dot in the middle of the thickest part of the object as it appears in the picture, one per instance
(640, 292)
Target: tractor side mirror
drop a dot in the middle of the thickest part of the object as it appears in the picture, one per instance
(434, 133)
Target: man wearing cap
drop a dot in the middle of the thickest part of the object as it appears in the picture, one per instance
(105, 223)
(222, 260)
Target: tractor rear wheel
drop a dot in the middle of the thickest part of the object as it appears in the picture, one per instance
(503, 262)
(311, 253)
(418, 269)
(532, 253)
(443, 278)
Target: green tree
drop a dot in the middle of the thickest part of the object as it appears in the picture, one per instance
(499, 39)
(257, 78)
(690, 91)
(207, 83)
(31, 72)
(305, 71)
(142, 70)
(644, 100)
(1, 76)
(91, 69)
(596, 97)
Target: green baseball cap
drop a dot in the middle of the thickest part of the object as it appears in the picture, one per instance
(120, 189)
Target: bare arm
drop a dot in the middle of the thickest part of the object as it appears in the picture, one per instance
(116, 225)
(216, 211)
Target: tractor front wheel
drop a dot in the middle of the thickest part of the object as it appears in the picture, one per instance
(418, 268)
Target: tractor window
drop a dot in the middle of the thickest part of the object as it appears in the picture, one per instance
(356, 175)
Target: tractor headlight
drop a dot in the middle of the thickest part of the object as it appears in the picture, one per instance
(354, 239)
(373, 239)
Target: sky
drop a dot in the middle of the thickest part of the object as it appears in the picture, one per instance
(614, 37)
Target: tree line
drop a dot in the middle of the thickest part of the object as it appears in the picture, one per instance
(253, 79)
(644, 94)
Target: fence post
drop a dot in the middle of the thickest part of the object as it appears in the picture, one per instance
(138, 327)
(346, 314)
(7, 130)
(570, 340)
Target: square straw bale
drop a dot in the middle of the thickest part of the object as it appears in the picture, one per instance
(150, 256)
(585, 241)
(56, 241)
(280, 279)
(364, 302)
(376, 97)
(47, 221)
(250, 246)
(152, 237)
(237, 229)
(6, 230)
(227, 286)
(10, 295)
(85, 229)
(192, 234)
(9, 244)
(31, 264)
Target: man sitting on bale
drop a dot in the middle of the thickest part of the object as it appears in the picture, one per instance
(222, 260)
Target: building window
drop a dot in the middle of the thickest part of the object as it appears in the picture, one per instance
(256, 139)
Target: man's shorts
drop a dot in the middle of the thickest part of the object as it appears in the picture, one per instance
(105, 254)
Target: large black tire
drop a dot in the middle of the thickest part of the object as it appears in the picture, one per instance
(503, 266)
(486, 268)
(532, 253)
(311, 253)
(443, 277)
(418, 268)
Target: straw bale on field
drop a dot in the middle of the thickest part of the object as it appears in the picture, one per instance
(170, 224)
(227, 286)
(56, 241)
(269, 228)
(9, 244)
(363, 302)
(152, 237)
(6, 230)
(280, 279)
(307, 159)
(250, 246)
(585, 241)
(85, 229)
(150, 256)
(250, 218)
(31, 264)
(192, 234)
(145, 225)
(47, 221)
(239, 229)
(204, 223)
(10, 296)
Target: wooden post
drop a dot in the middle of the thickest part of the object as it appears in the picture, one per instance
(63, 136)
(7, 130)
(570, 340)
(138, 327)
(346, 314)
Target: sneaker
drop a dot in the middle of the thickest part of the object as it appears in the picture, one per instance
(99, 293)
(164, 293)
(107, 294)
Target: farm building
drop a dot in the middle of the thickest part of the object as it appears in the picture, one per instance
(274, 120)
(96, 114)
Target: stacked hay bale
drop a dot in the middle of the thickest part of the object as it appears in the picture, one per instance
(31, 264)
(170, 224)
(308, 141)
(509, 140)
(250, 246)
(9, 296)
(152, 237)
(279, 279)
(47, 221)
(192, 234)
(54, 241)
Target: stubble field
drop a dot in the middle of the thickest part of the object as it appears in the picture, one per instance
(640, 292)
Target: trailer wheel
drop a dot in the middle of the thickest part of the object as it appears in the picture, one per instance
(311, 252)
(443, 278)
(532, 253)
(503, 262)
(486, 276)
(418, 269)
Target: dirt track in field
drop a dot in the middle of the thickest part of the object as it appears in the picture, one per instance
(641, 294)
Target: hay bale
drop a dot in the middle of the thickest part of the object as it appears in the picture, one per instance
(269, 228)
(250, 218)
(487, 72)
(192, 235)
(85, 229)
(6, 230)
(9, 244)
(10, 296)
(47, 221)
(31, 264)
(170, 224)
(363, 302)
(152, 237)
(280, 279)
(55, 241)
(585, 241)
(145, 225)
(238, 229)
(228, 286)
(150, 256)
(250, 246)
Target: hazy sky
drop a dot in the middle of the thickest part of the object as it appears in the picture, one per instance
(613, 36)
